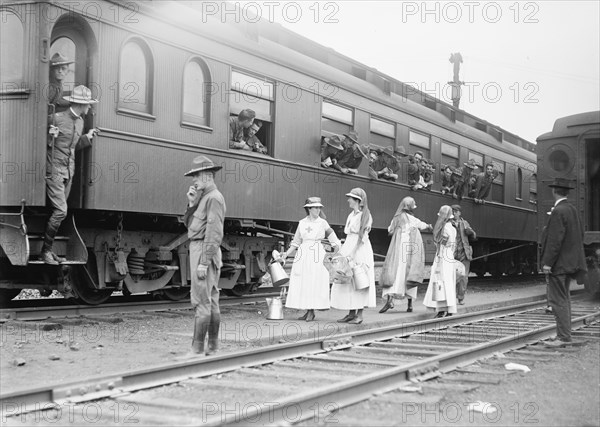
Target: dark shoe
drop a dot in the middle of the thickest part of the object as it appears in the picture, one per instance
(355, 321)
(310, 316)
(303, 317)
(548, 310)
(448, 314)
(409, 309)
(346, 319)
(439, 314)
(461, 301)
(48, 258)
(388, 304)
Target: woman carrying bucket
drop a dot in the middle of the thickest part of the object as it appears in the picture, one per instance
(360, 292)
(309, 281)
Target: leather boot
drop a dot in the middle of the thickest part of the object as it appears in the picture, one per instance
(201, 325)
(213, 333)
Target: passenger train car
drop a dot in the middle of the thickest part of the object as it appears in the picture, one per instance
(168, 77)
(572, 151)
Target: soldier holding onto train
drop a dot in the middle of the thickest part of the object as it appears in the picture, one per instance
(414, 170)
(463, 184)
(483, 184)
(252, 141)
(331, 150)
(448, 180)
(204, 219)
(427, 171)
(463, 251)
(562, 258)
(65, 136)
(350, 159)
(59, 68)
(236, 128)
(386, 166)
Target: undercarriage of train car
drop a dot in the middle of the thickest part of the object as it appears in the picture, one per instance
(503, 257)
(107, 252)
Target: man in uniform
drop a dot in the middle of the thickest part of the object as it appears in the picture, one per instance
(204, 220)
(236, 128)
(66, 132)
(463, 251)
(59, 68)
(562, 258)
(352, 156)
(483, 184)
(252, 141)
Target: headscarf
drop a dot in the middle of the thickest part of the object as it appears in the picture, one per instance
(406, 207)
(366, 214)
(444, 215)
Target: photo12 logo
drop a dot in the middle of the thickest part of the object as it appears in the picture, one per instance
(470, 12)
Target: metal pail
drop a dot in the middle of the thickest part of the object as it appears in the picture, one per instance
(361, 278)
(274, 308)
(278, 275)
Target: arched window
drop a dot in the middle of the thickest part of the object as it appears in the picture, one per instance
(136, 77)
(196, 94)
(533, 189)
(11, 53)
(519, 187)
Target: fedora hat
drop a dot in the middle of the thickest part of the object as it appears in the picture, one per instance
(313, 202)
(561, 183)
(471, 164)
(59, 59)
(334, 141)
(400, 151)
(202, 164)
(352, 135)
(81, 95)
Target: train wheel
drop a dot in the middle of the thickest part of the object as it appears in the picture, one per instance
(176, 294)
(85, 283)
(6, 295)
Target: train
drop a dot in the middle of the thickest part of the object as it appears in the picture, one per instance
(572, 151)
(168, 78)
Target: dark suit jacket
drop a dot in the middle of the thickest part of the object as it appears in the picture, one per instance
(562, 245)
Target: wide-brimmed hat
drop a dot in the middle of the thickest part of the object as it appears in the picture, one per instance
(59, 59)
(202, 164)
(334, 141)
(389, 151)
(313, 202)
(364, 150)
(355, 193)
(352, 135)
(561, 183)
(400, 151)
(81, 95)
(471, 164)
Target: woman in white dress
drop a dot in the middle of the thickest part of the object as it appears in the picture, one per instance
(357, 248)
(309, 281)
(404, 264)
(443, 270)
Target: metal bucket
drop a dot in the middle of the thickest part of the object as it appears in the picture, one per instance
(361, 278)
(278, 275)
(274, 308)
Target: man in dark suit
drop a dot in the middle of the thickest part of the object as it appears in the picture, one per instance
(563, 258)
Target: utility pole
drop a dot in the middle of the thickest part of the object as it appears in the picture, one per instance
(456, 59)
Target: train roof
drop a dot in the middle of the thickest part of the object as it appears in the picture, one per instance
(571, 125)
(255, 34)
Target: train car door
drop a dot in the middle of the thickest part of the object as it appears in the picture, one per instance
(73, 37)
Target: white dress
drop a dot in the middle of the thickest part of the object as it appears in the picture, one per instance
(309, 279)
(344, 296)
(447, 273)
(398, 289)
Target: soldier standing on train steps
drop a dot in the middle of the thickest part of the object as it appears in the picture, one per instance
(204, 219)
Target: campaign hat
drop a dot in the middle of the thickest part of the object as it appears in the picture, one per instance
(334, 141)
(400, 151)
(389, 151)
(364, 150)
(313, 202)
(471, 164)
(352, 135)
(59, 59)
(202, 164)
(81, 95)
(561, 183)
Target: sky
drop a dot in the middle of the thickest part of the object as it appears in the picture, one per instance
(525, 63)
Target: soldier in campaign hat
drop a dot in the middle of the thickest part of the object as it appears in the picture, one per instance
(204, 219)
(59, 68)
(63, 139)
(331, 150)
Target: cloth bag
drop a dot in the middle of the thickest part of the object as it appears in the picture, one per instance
(438, 290)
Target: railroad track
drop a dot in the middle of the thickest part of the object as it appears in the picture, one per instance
(307, 379)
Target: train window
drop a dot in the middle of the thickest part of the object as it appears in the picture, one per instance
(66, 47)
(382, 133)
(449, 154)
(519, 186)
(477, 157)
(136, 76)
(419, 142)
(497, 194)
(336, 118)
(559, 161)
(196, 93)
(11, 54)
(533, 189)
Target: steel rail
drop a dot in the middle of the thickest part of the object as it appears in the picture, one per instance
(105, 386)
